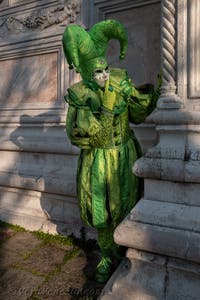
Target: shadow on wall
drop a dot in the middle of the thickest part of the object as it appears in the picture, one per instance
(38, 163)
(48, 175)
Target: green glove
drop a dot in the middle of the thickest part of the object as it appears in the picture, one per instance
(126, 88)
(108, 97)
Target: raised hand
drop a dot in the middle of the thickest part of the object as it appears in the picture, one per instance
(108, 96)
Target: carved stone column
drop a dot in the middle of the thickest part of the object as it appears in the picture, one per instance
(162, 232)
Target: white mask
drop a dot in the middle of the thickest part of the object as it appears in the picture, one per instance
(101, 75)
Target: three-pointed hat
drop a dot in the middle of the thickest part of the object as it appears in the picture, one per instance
(86, 51)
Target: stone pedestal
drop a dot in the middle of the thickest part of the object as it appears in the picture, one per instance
(144, 275)
(164, 226)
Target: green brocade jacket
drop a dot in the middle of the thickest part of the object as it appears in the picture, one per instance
(106, 187)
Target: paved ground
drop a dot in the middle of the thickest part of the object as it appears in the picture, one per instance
(35, 266)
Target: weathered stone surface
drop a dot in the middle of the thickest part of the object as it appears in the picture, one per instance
(33, 112)
(49, 270)
(193, 44)
(32, 73)
(41, 18)
(166, 220)
(142, 24)
(42, 211)
(136, 279)
(30, 136)
(44, 260)
(175, 192)
(37, 172)
(22, 243)
(18, 284)
(3, 3)
(6, 233)
(167, 214)
(159, 239)
(143, 42)
(67, 281)
(149, 276)
(166, 169)
(9, 258)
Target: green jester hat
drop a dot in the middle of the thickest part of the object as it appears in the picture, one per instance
(86, 50)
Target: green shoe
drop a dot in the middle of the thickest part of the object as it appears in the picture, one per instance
(103, 269)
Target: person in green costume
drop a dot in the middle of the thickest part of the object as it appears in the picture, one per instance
(100, 108)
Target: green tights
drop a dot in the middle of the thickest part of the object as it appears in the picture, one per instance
(109, 250)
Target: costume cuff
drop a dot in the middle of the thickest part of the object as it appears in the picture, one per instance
(107, 111)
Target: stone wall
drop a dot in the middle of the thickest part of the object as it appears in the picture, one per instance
(141, 19)
(38, 163)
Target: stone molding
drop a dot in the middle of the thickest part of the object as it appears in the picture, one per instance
(177, 160)
(15, 6)
(46, 111)
(48, 172)
(194, 44)
(159, 239)
(169, 98)
(173, 215)
(170, 169)
(180, 55)
(153, 277)
(176, 156)
(41, 19)
(31, 43)
(168, 44)
(41, 136)
(102, 7)
(173, 192)
(36, 210)
(32, 53)
(175, 117)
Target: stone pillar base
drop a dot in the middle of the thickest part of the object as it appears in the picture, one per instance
(147, 276)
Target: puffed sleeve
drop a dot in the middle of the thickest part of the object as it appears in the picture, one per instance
(86, 127)
(141, 102)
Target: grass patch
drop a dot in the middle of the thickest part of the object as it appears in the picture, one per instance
(16, 228)
(48, 238)
(71, 240)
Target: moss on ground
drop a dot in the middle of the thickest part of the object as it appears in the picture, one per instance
(48, 238)
(74, 248)
(16, 228)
